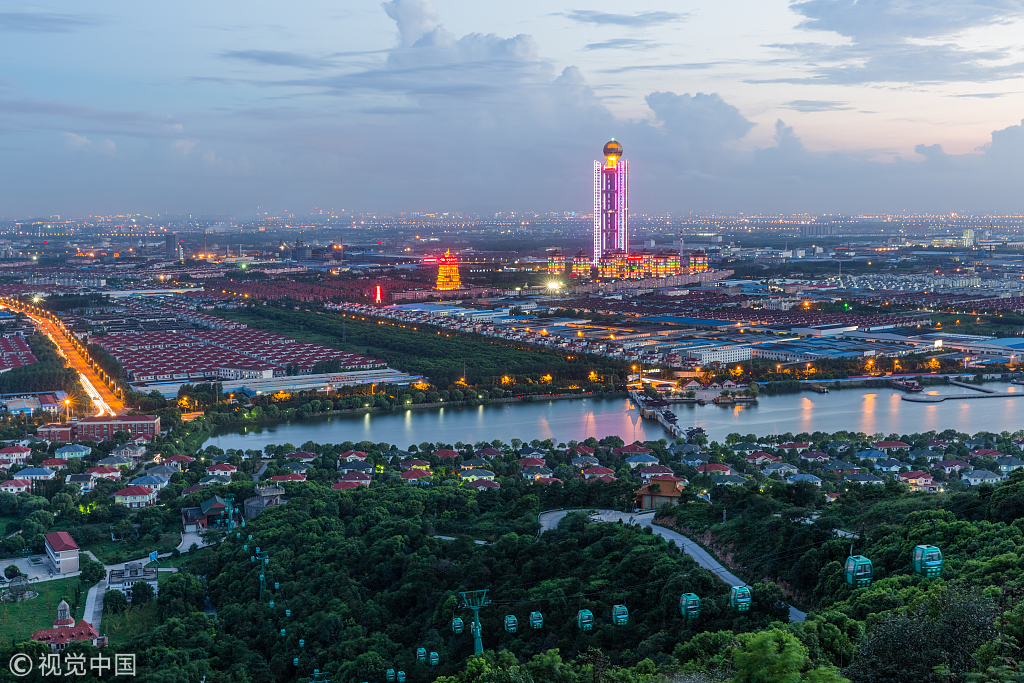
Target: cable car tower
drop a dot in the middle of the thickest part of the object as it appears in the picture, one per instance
(263, 557)
(475, 600)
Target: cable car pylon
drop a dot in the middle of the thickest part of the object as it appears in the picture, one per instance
(475, 600)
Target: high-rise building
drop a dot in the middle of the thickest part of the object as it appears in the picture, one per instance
(171, 246)
(448, 272)
(611, 203)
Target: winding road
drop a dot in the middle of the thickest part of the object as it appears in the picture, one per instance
(549, 520)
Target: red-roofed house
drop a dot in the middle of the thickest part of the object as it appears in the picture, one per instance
(714, 469)
(54, 463)
(351, 456)
(302, 456)
(62, 551)
(135, 496)
(606, 478)
(65, 631)
(222, 468)
(360, 477)
(597, 471)
(894, 445)
(293, 476)
(346, 485)
(105, 472)
(182, 459)
(548, 480)
(445, 453)
(831, 497)
(16, 454)
(532, 462)
(976, 453)
(488, 453)
(918, 481)
(16, 485)
(654, 495)
(415, 465)
(579, 450)
(417, 476)
(795, 446)
(761, 458)
(951, 465)
(654, 470)
(631, 449)
(936, 444)
(815, 456)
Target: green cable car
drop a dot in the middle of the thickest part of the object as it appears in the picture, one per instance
(536, 620)
(585, 619)
(421, 654)
(457, 625)
(511, 623)
(434, 659)
(739, 598)
(620, 615)
(689, 605)
(859, 571)
(927, 560)
(390, 675)
(401, 677)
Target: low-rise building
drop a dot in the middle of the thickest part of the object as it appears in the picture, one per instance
(977, 477)
(808, 478)
(134, 572)
(864, 479)
(36, 474)
(16, 485)
(135, 496)
(65, 631)
(61, 551)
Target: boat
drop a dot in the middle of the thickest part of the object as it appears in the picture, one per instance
(1018, 380)
(821, 389)
(905, 385)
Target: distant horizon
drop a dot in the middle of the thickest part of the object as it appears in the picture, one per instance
(817, 106)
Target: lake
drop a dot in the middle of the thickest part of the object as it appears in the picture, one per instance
(871, 411)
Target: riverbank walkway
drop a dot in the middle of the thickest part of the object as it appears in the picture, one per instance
(549, 520)
(983, 392)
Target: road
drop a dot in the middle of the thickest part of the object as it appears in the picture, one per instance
(549, 520)
(99, 393)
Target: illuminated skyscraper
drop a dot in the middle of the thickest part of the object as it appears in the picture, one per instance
(611, 203)
(448, 272)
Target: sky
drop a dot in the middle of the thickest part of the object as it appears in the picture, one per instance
(755, 106)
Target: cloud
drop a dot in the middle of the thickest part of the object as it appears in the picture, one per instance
(638, 20)
(685, 66)
(816, 105)
(82, 143)
(902, 41)
(984, 95)
(703, 121)
(184, 146)
(44, 22)
(623, 44)
(277, 58)
(414, 18)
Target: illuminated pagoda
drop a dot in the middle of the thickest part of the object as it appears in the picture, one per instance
(556, 262)
(611, 204)
(448, 272)
(580, 264)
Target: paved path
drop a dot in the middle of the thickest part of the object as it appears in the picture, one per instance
(549, 520)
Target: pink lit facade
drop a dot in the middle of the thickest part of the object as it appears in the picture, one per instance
(611, 207)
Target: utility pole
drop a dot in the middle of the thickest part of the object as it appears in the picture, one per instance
(475, 600)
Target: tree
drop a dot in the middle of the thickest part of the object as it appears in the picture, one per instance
(776, 656)
(114, 602)
(92, 571)
(142, 593)
(11, 571)
(181, 594)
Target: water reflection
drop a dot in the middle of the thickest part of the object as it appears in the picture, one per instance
(870, 411)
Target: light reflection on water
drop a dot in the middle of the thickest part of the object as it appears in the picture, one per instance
(870, 411)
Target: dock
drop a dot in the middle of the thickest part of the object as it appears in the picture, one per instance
(982, 393)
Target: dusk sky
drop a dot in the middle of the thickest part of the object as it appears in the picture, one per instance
(459, 105)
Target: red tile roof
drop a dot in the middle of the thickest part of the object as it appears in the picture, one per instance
(134, 491)
(416, 474)
(60, 541)
(81, 631)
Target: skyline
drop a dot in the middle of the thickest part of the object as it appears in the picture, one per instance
(411, 106)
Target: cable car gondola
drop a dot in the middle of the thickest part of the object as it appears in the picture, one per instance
(927, 560)
(421, 654)
(511, 623)
(401, 677)
(689, 605)
(620, 615)
(536, 620)
(390, 675)
(457, 625)
(585, 619)
(859, 571)
(739, 598)
(434, 659)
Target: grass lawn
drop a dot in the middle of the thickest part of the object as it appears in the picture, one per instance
(120, 628)
(18, 621)
(114, 552)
